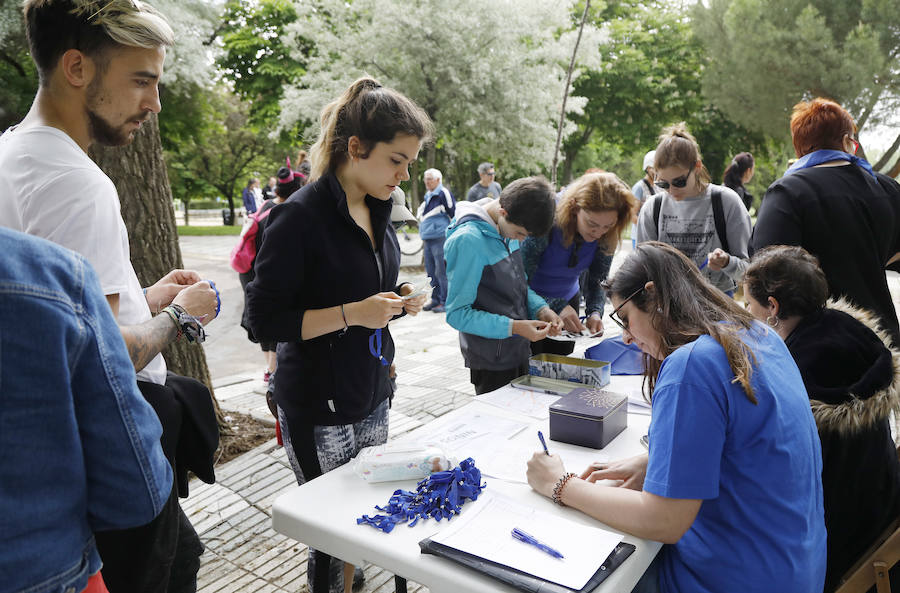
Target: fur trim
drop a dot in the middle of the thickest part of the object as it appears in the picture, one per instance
(857, 414)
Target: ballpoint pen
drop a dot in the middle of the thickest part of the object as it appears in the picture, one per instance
(543, 442)
(530, 539)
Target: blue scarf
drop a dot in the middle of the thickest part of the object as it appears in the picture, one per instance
(823, 156)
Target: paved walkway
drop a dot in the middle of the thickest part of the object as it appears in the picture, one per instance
(233, 516)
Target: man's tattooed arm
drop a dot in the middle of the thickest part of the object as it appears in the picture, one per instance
(146, 340)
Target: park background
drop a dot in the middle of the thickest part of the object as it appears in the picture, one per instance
(246, 80)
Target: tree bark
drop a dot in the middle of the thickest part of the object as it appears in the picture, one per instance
(139, 173)
(888, 155)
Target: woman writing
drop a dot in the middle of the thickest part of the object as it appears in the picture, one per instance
(738, 174)
(706, 222)
(590, 219)
(326, 286)
(730, 422)
(852, 376)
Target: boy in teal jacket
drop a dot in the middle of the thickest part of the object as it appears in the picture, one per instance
(488, 298)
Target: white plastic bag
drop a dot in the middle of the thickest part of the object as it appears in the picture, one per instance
(400, 461)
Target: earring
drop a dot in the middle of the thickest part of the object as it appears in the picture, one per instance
(771, 323)
(659, 309)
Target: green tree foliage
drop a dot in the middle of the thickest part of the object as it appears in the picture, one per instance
(211, 148)
(766, 55)
(256, 59)
(18, 76)
(649, 77)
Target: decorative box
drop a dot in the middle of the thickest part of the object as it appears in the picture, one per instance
(580, 370)
(589, 417)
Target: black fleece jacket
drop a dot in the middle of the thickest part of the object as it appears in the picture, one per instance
(315, 256)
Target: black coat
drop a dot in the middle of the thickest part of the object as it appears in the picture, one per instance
(847, 219)
(315, 256)
(853, 381)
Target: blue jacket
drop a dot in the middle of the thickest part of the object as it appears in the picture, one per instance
(487, 290)
(80, 446)
(249, 200)
(549, 275)
(435, 213)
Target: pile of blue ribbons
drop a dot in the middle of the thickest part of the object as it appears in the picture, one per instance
(439, 496)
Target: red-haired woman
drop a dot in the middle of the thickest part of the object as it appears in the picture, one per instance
(832, 204)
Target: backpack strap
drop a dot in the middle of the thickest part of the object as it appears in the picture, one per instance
(657, 205)
(719, 219)
(649, 186)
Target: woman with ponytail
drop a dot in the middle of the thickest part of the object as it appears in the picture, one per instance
(326, 289)
(732, 481)
(706, 222)
(738, 174)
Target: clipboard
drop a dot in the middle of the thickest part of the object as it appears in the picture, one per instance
(522, 580)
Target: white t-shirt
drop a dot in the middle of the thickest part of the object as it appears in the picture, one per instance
(50, 188)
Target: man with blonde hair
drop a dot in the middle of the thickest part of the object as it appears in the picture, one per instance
(99, 63)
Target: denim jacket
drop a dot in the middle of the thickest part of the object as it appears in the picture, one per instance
(79, 446)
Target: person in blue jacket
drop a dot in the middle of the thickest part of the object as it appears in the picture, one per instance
(732, 481)
(489, 300)
(590, 219)
(81, 446)
(437, 210)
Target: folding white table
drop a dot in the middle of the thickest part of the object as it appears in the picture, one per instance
(322, 513)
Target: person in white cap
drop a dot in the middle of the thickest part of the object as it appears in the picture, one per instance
(643, 189)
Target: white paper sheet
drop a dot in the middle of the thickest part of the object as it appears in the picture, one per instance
(508, 460)
(524, 401)
(484, 529)
(466, 436)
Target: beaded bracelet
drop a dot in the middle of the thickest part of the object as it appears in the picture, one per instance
(560, 484)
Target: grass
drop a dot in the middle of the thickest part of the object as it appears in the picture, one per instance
(208, 231)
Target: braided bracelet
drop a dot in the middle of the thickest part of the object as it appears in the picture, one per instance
(560, 484)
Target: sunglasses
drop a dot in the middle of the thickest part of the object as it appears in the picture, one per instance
(677, 182)
(623, 323)
(855, 145)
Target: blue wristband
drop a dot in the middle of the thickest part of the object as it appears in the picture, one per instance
(218, 300)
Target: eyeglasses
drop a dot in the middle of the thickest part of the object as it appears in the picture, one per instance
(490, 173)
(677, 182)
(615, 312)
(855, 145)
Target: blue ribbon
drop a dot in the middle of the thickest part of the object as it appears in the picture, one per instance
(818, 157)
(375, 347)
(439, 496)
(218, 300)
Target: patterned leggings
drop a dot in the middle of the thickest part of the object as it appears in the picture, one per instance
(314, 450)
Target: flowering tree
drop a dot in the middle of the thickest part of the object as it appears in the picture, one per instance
(490, 74)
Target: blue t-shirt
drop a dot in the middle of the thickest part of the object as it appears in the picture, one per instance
(757, 469)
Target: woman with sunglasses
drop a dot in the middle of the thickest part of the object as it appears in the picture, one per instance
(706, 222)
(590, 219)
(852, 376)
(732, 480)
(831, 203)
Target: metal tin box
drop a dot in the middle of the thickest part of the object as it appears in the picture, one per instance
(581, 370)
(589, 417)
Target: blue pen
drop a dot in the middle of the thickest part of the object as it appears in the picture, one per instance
(543, 442)
(530, 539)
(703, 265)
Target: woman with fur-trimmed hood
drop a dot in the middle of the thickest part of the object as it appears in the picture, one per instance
(852, 375)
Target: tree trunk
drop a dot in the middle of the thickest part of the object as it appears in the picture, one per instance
(139, 173)
(414, 186)
(888, 155)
